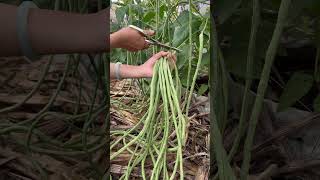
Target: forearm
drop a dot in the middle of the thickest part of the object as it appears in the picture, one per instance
(54, 32)
(60, 32)
(126, 71)
(114, 41)
(9, 45)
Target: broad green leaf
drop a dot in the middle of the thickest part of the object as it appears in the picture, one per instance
(114, 27)
(184, 74)
(149, 16)
(182, 57)
(166, 38)
(203, 88)
(297, 87)
(180, 34)
(120, 13)
(205, 59)
(136, 9)
(316, 104)
(181, 31)
(182, 19)
(237, 51)
(225, 8)
(163, 9)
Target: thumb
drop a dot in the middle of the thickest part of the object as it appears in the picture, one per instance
(149, 32)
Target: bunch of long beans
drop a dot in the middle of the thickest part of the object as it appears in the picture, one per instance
(163, 130)
(150, 145)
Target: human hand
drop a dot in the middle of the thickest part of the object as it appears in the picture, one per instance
(147, 68)
(131, 39)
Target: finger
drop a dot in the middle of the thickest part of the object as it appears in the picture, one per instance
(146, 44)
(171, 57)
(163, 53)
(157, 56)
(174, 57)
(172, 61)
(149, 32)
(160, 54)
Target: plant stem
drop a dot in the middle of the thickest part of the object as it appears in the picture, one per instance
(270, 55)
(190, 47)
(317, 60)
(250, 59)
(218, 151)
(197, 69)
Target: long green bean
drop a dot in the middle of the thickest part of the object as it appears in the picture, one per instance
(171, 118)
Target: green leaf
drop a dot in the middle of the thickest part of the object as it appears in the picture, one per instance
(203, 88)
(163, 9)
(182, 19)
(181, 30)
(225, 8)
(205, 59)
(137, 9)
(236, 53)
(149, 16)
(184, 75)
(316, 104)
(180, 35)
(120, 13)
(182, 57)
(114, 27)
(298, 86)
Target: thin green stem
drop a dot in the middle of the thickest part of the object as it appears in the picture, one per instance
(250, 59)
(190, 48)
(270, 56)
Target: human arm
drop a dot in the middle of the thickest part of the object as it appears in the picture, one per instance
(143, 71)
(54, 32)
(57, 32)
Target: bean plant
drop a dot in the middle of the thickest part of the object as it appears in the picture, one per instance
(182, 25)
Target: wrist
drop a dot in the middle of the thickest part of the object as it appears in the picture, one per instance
(141, 71)
(145, 71)
(131, 71)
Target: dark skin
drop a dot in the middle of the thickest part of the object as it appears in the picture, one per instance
(56, 32)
